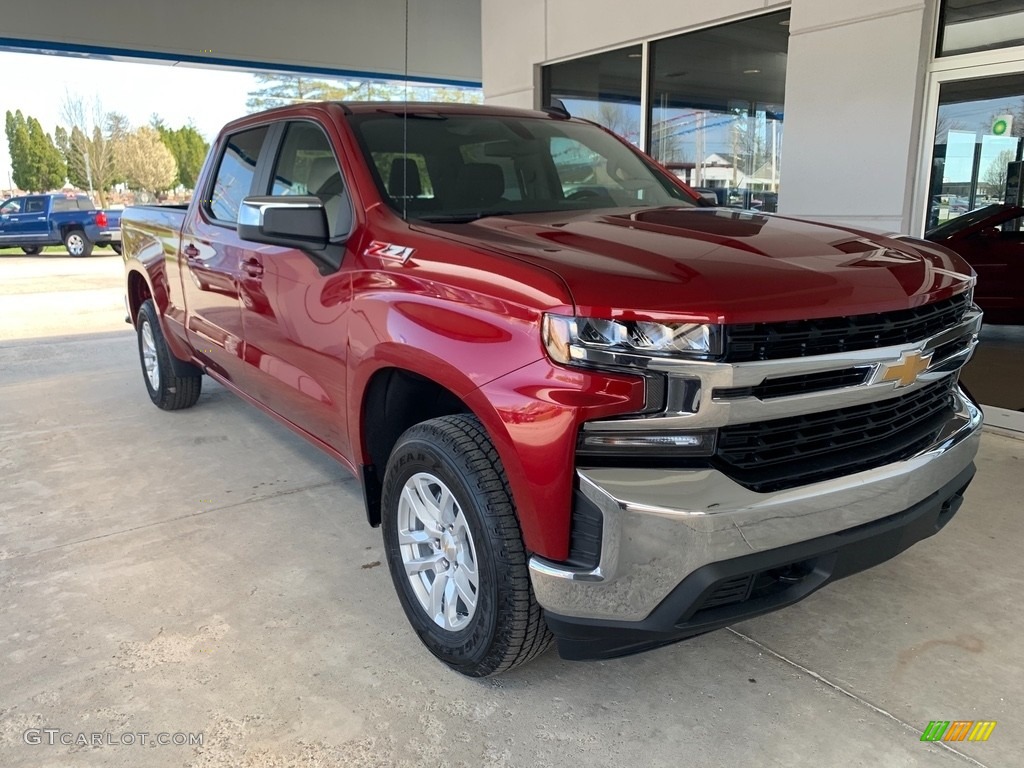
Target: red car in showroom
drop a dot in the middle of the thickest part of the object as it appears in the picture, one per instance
(991, 239)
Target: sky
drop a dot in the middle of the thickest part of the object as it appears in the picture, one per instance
(37, 84)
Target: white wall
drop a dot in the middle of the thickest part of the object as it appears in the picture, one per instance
(354, 35)
(854, 101)
(854, 86)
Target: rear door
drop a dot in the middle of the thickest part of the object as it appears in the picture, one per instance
(213, 256)
(295, 318)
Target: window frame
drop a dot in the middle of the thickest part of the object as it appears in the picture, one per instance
(270, 155)
(206, 205)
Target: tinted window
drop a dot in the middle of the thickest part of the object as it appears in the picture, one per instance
(235, 174)
(35, 205)
(306, 165)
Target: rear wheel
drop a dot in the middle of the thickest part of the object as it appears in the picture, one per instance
(32, 250)
(455, 550)
(116, 247)
(166, 390)
(77, 243)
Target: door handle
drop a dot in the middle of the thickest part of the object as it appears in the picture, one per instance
(252, 267)
(191, 252)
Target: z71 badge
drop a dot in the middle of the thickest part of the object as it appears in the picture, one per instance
(400, 253)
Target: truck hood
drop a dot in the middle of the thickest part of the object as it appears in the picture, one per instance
(721, 265)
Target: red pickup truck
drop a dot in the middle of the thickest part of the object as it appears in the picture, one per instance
(584, 403)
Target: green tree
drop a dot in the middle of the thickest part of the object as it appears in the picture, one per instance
(36, 164)
(49, 165)
(188, 147)
(278, 90)
(19, 147)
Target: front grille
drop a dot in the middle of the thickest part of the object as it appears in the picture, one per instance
(802, 384)
(784, 453)
(826, 336)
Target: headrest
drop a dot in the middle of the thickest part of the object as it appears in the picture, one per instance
(320, 172)
(404, 179)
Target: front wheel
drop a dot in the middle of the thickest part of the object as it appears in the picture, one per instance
(77, 243)
(455, 550)
(167, 391)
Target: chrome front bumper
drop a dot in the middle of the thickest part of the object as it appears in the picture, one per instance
(659, 525)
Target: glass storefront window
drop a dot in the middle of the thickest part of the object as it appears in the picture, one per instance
(716, 108)
(604, 88)
(980, 25)
(979, 132)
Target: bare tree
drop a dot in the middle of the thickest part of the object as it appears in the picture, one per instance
(87, 149)
(995, 174)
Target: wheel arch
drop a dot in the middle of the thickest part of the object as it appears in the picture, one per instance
(395, 396)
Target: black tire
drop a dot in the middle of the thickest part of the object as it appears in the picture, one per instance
(77, 243)
(506, 628)
(167, 391)
(32, 250)
(116, 248)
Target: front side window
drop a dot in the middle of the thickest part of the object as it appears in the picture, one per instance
(476, 165)
(306, 165)
(11, 206)
(234, 178)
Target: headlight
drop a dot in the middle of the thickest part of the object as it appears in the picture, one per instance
(627, 342)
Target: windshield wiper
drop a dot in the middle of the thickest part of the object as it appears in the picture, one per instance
(463, 218)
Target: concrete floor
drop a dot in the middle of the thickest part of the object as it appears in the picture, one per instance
(207, 571)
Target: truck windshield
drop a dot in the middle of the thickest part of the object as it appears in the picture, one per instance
(451, 168)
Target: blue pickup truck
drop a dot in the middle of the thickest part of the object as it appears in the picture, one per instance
(34, 221)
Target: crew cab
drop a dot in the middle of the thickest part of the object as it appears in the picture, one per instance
(34, 221)
(583, 404)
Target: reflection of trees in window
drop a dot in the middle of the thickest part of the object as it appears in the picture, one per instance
(995, 174)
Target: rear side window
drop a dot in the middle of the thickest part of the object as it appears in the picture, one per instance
(233, 181)
(62, 204)
(35, 205)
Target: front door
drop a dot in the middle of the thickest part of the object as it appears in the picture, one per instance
(23, 221)
(213, 255)
(295, 318)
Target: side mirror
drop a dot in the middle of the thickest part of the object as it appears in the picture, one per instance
(298, 221)
(711, 197)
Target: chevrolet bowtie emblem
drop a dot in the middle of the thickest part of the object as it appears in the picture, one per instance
(906, 371)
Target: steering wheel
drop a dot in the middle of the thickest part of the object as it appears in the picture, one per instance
(582, 194)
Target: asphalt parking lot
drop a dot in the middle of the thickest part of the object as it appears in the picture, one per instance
(207, 572)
